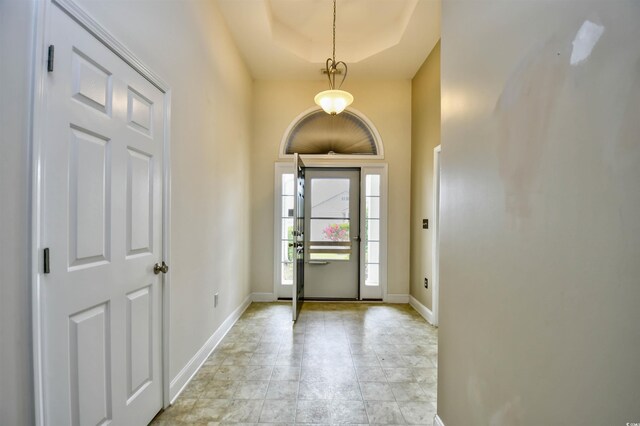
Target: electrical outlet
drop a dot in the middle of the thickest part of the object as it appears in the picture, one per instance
(215, 300)
(426, 283)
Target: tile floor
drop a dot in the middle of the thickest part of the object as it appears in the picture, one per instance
(340, 363)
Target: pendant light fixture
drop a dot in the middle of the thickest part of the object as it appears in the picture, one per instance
(334, 101)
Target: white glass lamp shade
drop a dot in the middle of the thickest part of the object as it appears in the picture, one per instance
(333, 101)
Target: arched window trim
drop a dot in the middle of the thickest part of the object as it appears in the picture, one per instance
(374, 131)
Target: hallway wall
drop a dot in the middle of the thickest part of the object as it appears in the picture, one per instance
(16, 383)
(540, 238)
(387, 103)
(425, 136)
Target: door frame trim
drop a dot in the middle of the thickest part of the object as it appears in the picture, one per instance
(286, 166)
(435, 231)
(38, 97)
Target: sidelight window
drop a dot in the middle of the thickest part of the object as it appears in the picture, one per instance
(286, 237)
(372, 230)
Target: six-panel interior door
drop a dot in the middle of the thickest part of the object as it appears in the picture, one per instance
(102, 221)
(299, 236)
(332, 233)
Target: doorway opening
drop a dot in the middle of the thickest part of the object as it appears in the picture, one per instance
(345, 225)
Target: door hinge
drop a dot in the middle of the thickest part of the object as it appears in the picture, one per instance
(46, 261)
(50, 58)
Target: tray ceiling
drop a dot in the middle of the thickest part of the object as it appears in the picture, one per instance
(291, 39)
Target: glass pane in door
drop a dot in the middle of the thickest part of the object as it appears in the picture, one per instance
(329, 224)
(330, 198)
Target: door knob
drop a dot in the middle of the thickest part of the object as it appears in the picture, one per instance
(157, 268)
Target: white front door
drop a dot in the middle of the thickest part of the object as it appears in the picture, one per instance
(102, 223)
(332, 233)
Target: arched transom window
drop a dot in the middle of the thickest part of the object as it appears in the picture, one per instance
(318, 133)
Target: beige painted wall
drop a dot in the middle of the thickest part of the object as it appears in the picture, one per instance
(425, 136)
(187, 43)
(16, 389)
(276, 104)
(540, 237)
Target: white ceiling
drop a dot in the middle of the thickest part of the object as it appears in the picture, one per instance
(291, 39)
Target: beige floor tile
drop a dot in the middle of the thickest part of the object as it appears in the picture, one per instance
(314, 374)
(178, 410)
(384, 412)
(278, 412)
(238, 359)
(289, 359)
(425, 375)
(283, 389)
(365, 360)
(431, 390)
(339, 363)
(371, 374)
(267, 348)
(313, 411)
(348, 412)
(409, 392)
(285, 372)
(421, 361)
(315, 391)
(346, 391)
(244, 346)
(254, 389)
(243, 411)
(392, 360)
(229, 372)
(417, 413)
(220, 389)
(195, 389)
(209, 410)
(258, 372)
(215, 359)
(399, 374)
(264, 359)
(376, 391)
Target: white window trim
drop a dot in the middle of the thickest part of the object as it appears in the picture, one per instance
(366, 168)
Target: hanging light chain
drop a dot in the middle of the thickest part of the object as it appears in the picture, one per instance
(332, 64)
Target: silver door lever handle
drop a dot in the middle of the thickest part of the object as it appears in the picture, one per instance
(157, 268)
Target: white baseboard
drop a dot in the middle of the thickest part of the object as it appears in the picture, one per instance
(185, 375)
(422, 310)
(397, 298)
(263, 297)
(437, 421)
